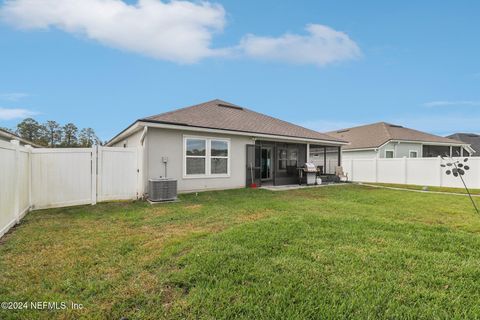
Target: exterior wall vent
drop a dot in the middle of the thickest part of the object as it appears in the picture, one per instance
(229, 106)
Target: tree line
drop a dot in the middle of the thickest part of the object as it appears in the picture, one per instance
(52, 134)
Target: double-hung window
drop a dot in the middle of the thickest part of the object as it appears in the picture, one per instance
(218, 156)
(206, 157)
(196, 156)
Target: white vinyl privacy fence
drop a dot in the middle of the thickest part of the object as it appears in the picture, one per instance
(46, 178)
(417, 171)
(14, 184)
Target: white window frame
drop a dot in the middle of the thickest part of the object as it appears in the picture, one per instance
(415, 151)
(208, 158)
(387, 150)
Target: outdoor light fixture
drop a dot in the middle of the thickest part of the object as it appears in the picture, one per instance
(458, 168)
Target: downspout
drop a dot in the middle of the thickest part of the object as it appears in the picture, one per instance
(144, 135)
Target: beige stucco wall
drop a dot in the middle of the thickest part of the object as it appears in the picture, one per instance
(401, 149)
(363, 154)
(169, 143)
(132, 140)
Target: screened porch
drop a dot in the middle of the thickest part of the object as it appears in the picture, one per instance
(280, 163)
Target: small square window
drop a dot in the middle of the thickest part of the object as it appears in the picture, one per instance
(389, 154)
(413, 154)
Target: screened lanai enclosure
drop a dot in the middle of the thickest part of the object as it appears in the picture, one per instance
(325, 158)
(281, 163)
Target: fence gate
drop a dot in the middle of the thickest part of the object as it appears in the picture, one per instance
(62, 177)
(74, 176)
(118, 173)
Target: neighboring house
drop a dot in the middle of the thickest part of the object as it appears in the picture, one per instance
(218, 145)
(385, 140)
(471, 138)
(8, 136)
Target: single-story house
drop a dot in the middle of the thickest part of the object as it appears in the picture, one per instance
(472, 139)
(220, 145)
(385, 140)
(9, 136)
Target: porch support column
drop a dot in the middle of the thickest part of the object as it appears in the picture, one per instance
(308, 152)
(339, 156)
(324, 160)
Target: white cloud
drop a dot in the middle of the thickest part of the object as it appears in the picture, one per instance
(10, 114)
(179, 31)
(461, 103)
(12, 96)
(322, 45)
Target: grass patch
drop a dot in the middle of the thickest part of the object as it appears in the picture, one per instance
(430, 188)
(339, 252)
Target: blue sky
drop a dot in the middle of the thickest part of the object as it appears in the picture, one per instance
(321, 64)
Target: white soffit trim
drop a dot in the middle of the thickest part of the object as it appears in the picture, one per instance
(359, 149)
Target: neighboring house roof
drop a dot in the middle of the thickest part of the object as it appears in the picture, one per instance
(470, 138)
(7, 135)
(376, 134)
(222, 115)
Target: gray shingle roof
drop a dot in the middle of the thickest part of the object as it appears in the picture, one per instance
(218, 114)
(376, 134)
(470, 138)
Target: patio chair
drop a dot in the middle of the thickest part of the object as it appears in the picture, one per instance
(340, 174)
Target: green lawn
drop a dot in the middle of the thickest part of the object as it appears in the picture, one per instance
(335, 252)
(429, 188)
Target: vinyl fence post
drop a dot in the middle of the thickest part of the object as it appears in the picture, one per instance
(29, 149)
(405, 168)
(16, 207)
(94, 174)
(375, 162)
(139, 172)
